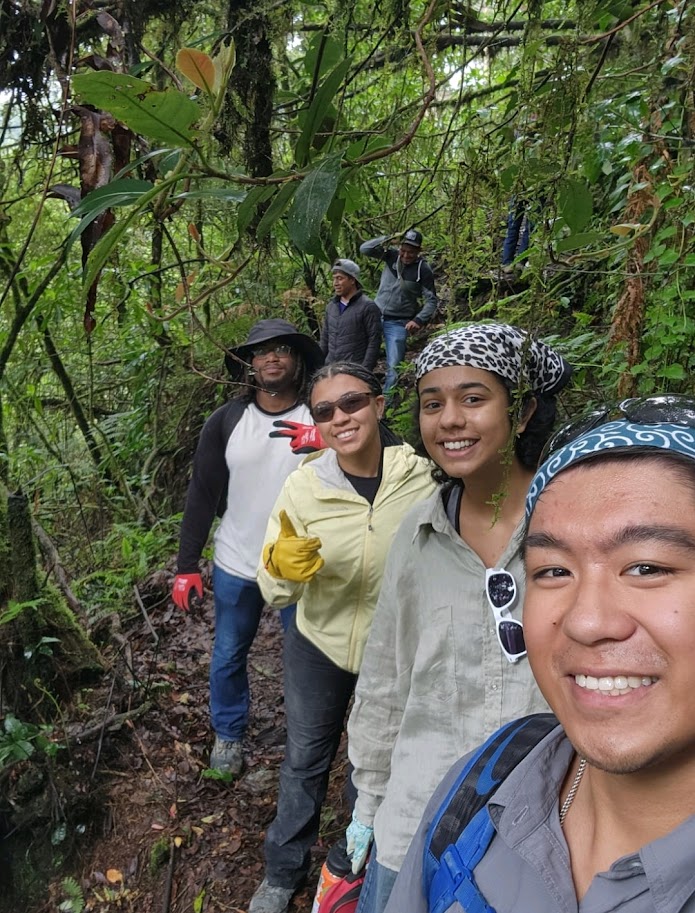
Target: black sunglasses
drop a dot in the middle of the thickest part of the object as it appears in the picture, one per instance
(280, 349)
(348, 403)
(501, 592)
(645, 410)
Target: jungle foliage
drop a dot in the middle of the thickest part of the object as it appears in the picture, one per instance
(172, 171)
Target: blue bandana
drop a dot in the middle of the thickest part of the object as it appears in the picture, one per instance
(618, 436)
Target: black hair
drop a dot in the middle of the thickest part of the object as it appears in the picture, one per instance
(528, 445)
(359, 372)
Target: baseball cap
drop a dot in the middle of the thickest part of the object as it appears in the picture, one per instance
(412, 237)
(349, 267)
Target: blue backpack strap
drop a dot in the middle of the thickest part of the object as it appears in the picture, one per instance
(462, 830)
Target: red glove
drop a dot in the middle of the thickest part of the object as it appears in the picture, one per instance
(181, 592)
(303, 438)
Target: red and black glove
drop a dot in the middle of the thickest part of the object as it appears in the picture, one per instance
(303, 438)
(181, 591)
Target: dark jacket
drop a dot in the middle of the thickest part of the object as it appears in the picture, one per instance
(354, 335)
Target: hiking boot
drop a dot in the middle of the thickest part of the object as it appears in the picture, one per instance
(227, 757)
(270, 898)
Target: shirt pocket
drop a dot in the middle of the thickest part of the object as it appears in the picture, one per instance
(434, 668)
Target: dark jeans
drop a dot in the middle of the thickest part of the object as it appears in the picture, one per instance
(519, 228)
(238, 607)
(317, 694)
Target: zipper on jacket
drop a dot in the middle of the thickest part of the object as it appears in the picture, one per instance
(369, 518)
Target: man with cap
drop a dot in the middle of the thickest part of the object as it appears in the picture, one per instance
(600, 813)
(247, 448)
(406, 297)
(352, 325)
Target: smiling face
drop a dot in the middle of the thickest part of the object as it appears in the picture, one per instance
(609, 616)
(464, 420)
(408, 253)
(343, 285)
(274, 372)
(354, 437)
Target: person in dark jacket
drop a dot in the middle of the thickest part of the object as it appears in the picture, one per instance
(247, 448)
(406, 297)
(352, 327)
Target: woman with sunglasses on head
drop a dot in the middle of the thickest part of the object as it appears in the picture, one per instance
(325, 549)
(445, 661)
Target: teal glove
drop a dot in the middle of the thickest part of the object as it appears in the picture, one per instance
(359, 839)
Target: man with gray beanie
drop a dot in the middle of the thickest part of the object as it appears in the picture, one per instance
(352, 326)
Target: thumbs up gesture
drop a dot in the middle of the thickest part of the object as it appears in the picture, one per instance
(292, 557)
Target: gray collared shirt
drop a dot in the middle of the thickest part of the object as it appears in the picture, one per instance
(527, 867)
(434, 682)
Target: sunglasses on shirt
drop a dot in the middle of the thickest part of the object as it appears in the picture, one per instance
(501, 592)
(645, 410)
(349, 403)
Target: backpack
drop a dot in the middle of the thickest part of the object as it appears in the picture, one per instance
(461, 830)
(342, 897)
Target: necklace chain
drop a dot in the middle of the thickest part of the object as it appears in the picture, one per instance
(566, 805)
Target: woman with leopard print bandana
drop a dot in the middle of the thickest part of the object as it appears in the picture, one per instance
(445, 662)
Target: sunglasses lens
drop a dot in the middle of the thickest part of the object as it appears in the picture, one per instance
(353, 402)
(323, 412)
(676, 410)
(511, 635)
(501, 589)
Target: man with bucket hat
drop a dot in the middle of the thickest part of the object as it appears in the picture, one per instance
(247, 448)
(352, 325)
(406, 297)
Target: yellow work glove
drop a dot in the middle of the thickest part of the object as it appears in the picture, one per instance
(292, 557)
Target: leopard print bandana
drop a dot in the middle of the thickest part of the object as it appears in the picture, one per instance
(497, 347)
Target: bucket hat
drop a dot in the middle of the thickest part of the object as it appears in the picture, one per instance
(274, 328)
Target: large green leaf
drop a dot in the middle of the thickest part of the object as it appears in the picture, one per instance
(248, 208)
(102, 249)
(575, 242)
(329, 49)
(318, 109)
(163, 116)
(311, 202)
(123, 192)
(576, 204)
(277, 208)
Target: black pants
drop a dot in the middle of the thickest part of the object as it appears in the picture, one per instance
(317, 694)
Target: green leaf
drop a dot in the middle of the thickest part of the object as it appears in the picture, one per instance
(576, 204)
(15, 608)
(318, 109)
(253, 200)
(672, 372)
(277, 208)
(574, 242)
(668, 257)
(311, 203)
(163, 116)
(123, 192)
(102, 249)
(329, 49)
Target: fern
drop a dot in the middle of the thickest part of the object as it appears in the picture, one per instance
(74, 901)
